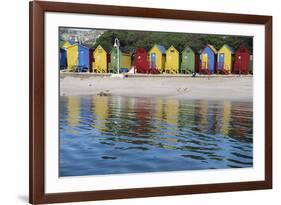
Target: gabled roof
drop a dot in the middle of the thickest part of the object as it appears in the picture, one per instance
(81, 45)
(228, 47)
(243, 46)
(173, 48)
(71, 42)
(104, 47)
(191, 48)
(212, 48)
(161, 48)
(63, 43)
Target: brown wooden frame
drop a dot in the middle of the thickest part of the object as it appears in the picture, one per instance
(37, 10)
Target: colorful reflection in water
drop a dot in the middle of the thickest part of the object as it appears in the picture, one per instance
(111, 135)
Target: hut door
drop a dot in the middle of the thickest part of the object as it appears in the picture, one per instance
(221, 61)
(153, 60)
(204, 61)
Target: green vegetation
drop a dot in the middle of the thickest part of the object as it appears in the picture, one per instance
(130, 40)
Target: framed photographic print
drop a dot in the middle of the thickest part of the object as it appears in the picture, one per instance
(132, 102)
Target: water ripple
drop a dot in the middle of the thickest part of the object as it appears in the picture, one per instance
(112, 135)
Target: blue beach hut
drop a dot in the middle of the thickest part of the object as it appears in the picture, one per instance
(84, 60)
(79, 58)
(63, 59)
(208, 59)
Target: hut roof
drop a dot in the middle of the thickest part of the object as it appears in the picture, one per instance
(106, 48)
(191, 48)
(79, 44)
(212, 48)
(62, 42)
(161, 48)
(229, 48)
(243, 46)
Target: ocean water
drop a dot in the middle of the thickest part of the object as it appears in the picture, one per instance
(114, 135)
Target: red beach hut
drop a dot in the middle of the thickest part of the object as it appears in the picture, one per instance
(242, 60)
(141, 63)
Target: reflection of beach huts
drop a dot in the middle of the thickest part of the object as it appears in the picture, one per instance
(157, 58)
(101, 111)
(242, 60)
(208, 59)
(225, 59)
(124, 61)
(141, 63)
(187, 114)
(226, 117)
(101, 58)
(73, 107)
(172, 60)
(63, 59)
(172, 112)
(78, 58)
(203, 115)
(159, 110)
(189, 60)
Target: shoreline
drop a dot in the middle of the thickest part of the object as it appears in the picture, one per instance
(214, 87)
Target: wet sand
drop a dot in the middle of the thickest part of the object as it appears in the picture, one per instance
(201, 88)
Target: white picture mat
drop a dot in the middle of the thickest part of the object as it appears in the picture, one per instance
(54, 184)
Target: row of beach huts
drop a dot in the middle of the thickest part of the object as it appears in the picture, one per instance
(76, 57)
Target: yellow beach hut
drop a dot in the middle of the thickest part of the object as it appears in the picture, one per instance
(65, 44)
(72, 57)
(172, 60)
(157, 57)
(225, 59)
(101, 57)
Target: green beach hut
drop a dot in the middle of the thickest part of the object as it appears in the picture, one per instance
(189, 60)
(124, 60)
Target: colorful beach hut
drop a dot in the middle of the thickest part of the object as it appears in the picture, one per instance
(157, 57)
(189, 60)
(78, 58)
(101, 58)
(172, 60)
(63, 59)
(65, 44)
(225, 59)
(208, 59)
(141, 63)
(125, 62)
(242, 60)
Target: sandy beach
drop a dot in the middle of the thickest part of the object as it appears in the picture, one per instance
(238, 88)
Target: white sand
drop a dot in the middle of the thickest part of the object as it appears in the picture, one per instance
(213, 88)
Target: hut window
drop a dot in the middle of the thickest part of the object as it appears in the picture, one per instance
(172, 51)
(100, 50)
(243, 50)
